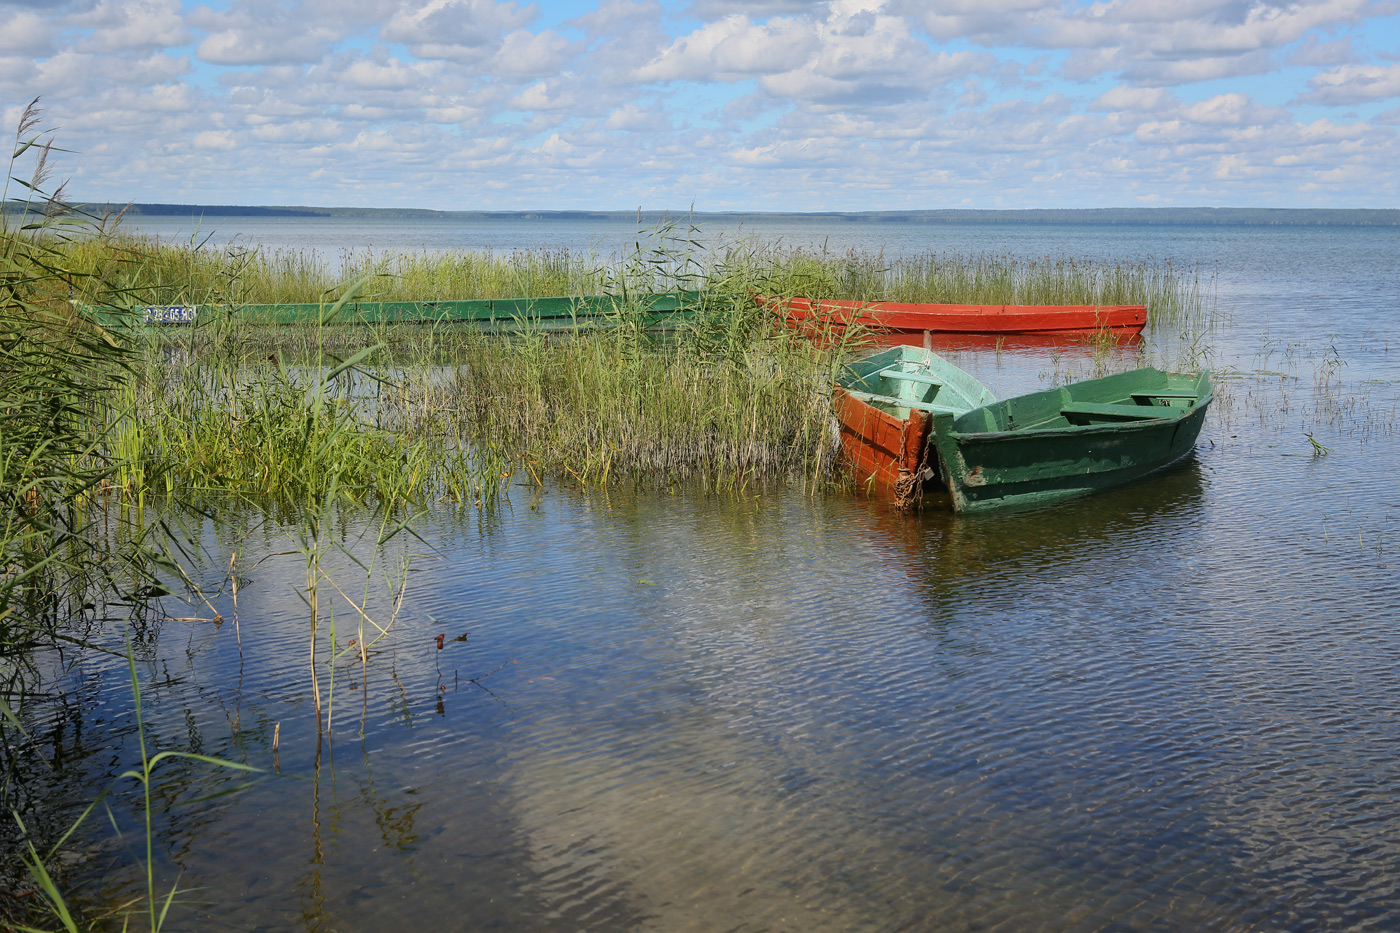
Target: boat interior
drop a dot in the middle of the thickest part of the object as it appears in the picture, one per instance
(1099, 402)
(1137, 407)
(901, 386)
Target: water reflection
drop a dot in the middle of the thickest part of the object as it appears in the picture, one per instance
(951, 551)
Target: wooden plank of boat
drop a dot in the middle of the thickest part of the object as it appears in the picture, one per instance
(1068, 340)
(884, 403)
(906, 317)
(1069, 441)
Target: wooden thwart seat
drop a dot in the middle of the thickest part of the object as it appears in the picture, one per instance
(1151, 398)
(1103, 410)
(893, 373)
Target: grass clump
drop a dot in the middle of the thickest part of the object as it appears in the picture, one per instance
(93, 423)
(602, 408)
(285, 435)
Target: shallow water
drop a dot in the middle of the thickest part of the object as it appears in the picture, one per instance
(1168, 706)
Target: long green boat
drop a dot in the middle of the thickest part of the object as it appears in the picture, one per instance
(1069, 441)
(489, 315)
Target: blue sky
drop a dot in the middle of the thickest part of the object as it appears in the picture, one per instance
(793, 105)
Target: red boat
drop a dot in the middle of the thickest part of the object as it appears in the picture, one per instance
(1054, 321)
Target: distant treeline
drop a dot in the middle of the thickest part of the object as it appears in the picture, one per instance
(1348, 217)
(1354, 217)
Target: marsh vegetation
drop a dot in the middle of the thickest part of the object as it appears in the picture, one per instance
(670, 256)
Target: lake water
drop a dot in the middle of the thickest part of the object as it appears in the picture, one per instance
(619, 235)
(1168, 706)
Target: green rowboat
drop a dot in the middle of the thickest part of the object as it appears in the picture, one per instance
(1069, 441)
(488, 315)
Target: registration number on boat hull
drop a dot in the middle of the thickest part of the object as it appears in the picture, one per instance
(171, 314)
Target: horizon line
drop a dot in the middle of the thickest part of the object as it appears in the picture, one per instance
(1350, 216)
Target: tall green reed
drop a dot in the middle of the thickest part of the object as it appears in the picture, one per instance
(58, 376)
(65, 564)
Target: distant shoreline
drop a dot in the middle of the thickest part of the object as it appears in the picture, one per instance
(1194, 216)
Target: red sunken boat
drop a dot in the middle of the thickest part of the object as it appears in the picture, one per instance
(944, 319)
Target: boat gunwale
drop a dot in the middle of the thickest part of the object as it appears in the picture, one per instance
(937, 307)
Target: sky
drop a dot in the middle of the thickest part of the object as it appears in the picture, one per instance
(719, 105)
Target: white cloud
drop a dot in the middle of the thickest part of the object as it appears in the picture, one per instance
(1316, 52)
(262, 46)
(215, 139)
(527, 54)
(734, 48)
(715, 9)
(392, 74)
(1233, 167)
(269, 32)
(1147, 41)
(376, 141)
(453, 113)
(1326, 130)
(621, 36)
(137, 25)
(1192, 70)
(997, 22)
(544, 96)
(633, 118)
(465, 30)
(1354, 84)
(1231, 110)
(779, 103)
(66, 74)
(854, 54)
(27, 33)
(296, 131)
(556, 147)
(1135, 99)
(618, 18)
